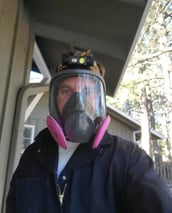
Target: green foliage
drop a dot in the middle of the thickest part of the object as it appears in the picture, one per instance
(148, 70)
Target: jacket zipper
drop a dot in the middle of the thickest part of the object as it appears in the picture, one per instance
(61, 193)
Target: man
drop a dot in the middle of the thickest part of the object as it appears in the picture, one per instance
(75, 166)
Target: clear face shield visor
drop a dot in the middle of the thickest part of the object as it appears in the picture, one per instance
(77, 91)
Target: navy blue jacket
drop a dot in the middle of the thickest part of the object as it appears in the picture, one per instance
(117, 177)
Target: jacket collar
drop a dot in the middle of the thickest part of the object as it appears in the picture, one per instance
(48, 150)
(84, 154)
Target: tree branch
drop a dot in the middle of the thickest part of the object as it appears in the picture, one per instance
(150, 57)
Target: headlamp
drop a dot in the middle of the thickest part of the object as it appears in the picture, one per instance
(68, 60)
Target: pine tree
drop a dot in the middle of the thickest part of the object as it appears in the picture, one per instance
(147, 81)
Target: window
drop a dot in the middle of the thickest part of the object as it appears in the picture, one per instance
(29, 132)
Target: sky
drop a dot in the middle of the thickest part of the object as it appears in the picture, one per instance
(35, 77)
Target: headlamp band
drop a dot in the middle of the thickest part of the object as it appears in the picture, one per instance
(82, 61)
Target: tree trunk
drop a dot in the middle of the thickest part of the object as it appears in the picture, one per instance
(145, 128)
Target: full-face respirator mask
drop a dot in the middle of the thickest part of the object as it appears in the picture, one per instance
(77, 103)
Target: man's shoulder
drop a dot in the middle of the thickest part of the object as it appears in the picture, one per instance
(42, 140)
(124, 148)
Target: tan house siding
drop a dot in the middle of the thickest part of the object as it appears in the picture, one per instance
(120, 129)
